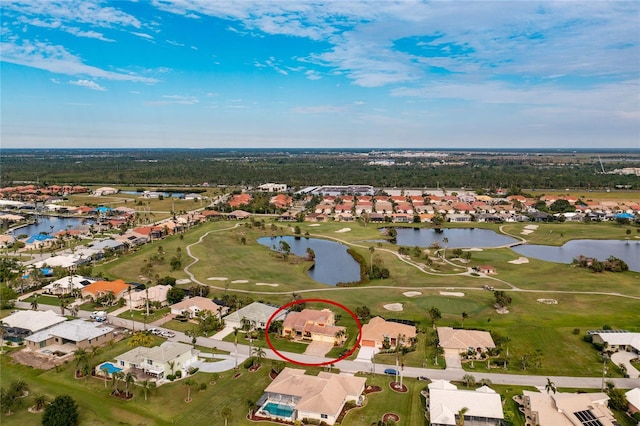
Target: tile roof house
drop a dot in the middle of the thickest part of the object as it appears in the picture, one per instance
(320, 397)
(66, 285)
(257, 313)
(101, 288)
(462, 340)
(156, 293)
(567, 409)
(484, 405)
(313, 324)
(159, 361)
(377, 330)
(193, 305)
(71, 335)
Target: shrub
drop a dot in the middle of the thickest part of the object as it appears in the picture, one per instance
(249, 362)
(171, 377)
(178, 374)
(203, 387)
(576, 331)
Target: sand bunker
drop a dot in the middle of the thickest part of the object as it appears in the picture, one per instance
(340, 231)
(527, 232)
(183, 281)
(451, 293)
(473, 249)
(269, 284)
(531, 227)
(217, 278)
(315, 224)
(519, 261)
(396, 307)
(412, 293)
(548, 301)
(239, 281)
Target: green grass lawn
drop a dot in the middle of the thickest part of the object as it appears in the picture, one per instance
(141, 316)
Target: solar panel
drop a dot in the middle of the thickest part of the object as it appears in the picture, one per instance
(587, 418)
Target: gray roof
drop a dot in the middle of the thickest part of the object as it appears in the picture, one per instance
(257, 312)
(105, 244)
(167, 351)
(76, 330)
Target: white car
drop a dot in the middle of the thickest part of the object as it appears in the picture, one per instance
(168, 334)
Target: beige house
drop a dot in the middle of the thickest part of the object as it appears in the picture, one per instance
(157, 293)
(484, 406)
(633, 398)
(463, 340)
(566, 409)
(617, 340)
(159, 361)
(315, 325)
(377, 331)
(191, 306)
(71, 335)
(293, 395)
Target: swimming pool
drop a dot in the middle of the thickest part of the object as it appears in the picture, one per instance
(279, 410)
(110, 368)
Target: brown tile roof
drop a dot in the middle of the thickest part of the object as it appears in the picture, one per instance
(102, 287)
(378, 328)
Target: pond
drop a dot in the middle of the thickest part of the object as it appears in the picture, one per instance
(629, 251)
(51, 225)
(332, 264)
(457, 237)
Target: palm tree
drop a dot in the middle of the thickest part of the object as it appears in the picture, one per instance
(39, 402)
(339, 335)
(34, 303)
(82, 361)
(468, 380)
(129, 379)
(371, 250)
(250, 405)
(147, 386)
(63, 306)
(464, 316)
(550, 386)
(461, 413)
(435, 315)
(259, 353)
(445, 241)
(105, 371)
(172, 365)
(226, 414)
(188, 383)
(117, 376)
(235, 339)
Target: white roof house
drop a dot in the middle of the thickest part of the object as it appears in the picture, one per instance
(66, 285)
(156, 361)
(157, 293)
(61, 261)
(445, 401)
(258, 313)
(193, 305)
(33, 320)
(633, 398)
(618, 341)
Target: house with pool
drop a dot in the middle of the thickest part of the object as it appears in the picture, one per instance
(157, 362)
(293, 395)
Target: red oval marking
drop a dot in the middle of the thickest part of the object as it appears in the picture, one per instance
(330, 302)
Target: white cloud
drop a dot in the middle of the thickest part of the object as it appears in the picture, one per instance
(88, 84)
(142, 35)
(57, 59)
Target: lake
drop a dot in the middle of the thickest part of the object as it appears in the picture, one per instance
(332, 264)
(629, 251)
(45, 224)
(457, 237)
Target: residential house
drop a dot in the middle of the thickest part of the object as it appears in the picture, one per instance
(379, 333)
(212, 214)
(67, 285)
(156, 293)
(159, 361)
(566, 409)
(238, 215)
(68, 336)
(295, 396)
(462, 340)
(273, 187)
(99, 289)
(313, 324)
(281, 201)
(193, 305)
(633, 398)
(316, 217)
(256, 313)
(238, 200)
(21, 324)
(617, 340)
(484, 406)
(458, 217)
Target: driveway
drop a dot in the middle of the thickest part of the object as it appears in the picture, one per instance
(318, 348)
(366, 353)
(452, 358)
(222, 333)
(624, 358)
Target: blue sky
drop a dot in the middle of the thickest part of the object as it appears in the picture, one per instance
(187, 73)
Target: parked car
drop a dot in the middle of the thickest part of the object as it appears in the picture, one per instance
(168, 334)
(154, 331)
(390, 371)
(98, 316)
(423, 378)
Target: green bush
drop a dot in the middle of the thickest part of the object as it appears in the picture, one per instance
(249, 362)
(178, 374)
(171, 377)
